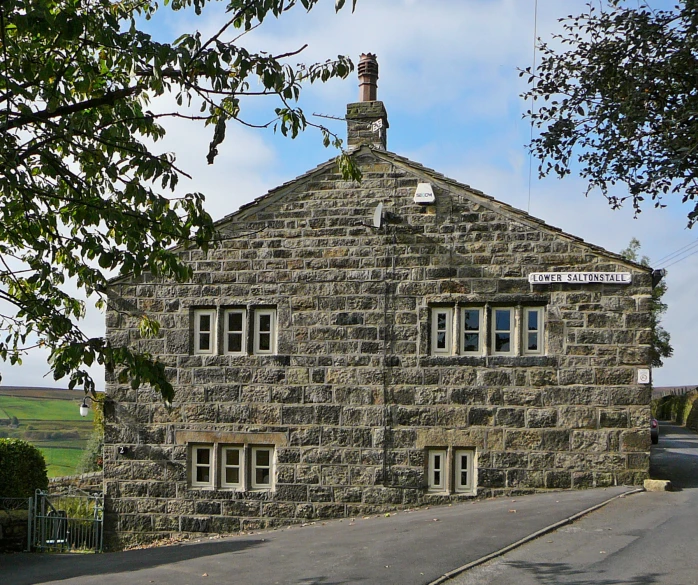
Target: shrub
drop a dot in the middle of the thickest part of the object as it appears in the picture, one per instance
(22, 469)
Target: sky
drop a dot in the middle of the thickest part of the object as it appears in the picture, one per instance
(448, 76)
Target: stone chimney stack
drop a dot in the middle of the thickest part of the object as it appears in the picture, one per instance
(367, 120)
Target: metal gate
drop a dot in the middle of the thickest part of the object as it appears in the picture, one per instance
(65, 523)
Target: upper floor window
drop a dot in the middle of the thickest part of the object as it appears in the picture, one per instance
(482, 330)
(204, 331)
(264, 331)
(234, 333)
(232, 326)
(472, 328)
(503, 331)
(533, 330)
(442, 329)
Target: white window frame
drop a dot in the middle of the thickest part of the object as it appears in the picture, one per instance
(195, 449)
(511, 331)
(540, 331)
(254, 466)
(480, 331)
(240, 484)
(217, 466)
(258, 314)
(469, 486)
(432, 469)
(198, 314)
(227, 332)
(448, 349)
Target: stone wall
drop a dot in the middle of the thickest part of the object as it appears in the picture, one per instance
(354, 389)
(87, 482)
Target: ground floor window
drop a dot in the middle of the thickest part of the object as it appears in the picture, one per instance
(451, 470)
(233, 467)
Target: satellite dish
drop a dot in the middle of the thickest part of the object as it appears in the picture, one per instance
(378, 216)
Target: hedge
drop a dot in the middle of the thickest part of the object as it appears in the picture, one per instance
(22, 469)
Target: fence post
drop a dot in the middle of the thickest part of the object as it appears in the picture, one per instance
(30, 516)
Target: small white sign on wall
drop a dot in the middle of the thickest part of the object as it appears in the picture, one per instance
(580, 278)
(643, 376)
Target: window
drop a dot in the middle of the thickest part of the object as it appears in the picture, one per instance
(261, 467)
(463, 473)
(533, 331)
(451, 470)
(437, 471)
(472, 329)
(204, 331)
(265, 331)
(503, 337)
(480, 331)
(201, 466)
(232, 467)
(442, 328)
(231, 326)
(235, 321)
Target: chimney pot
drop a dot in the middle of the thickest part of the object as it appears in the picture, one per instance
(368, 78)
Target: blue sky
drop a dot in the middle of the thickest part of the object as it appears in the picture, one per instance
(449, 81)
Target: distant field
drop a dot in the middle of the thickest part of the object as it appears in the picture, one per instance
(61, 461)
(40, 408)
(50, 419)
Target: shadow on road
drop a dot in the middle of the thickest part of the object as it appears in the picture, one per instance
(30, 568)
(557, 573)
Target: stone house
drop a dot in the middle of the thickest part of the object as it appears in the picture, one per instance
(352, 347)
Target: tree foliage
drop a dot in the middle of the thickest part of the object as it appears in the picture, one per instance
(660, 346)
(619, 98)
(85, 194)
(22, 469)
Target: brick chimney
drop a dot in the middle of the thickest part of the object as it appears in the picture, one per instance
(367, 120)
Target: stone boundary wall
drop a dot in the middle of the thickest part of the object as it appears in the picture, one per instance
(87, 482)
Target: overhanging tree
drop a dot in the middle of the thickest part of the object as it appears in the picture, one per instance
(620, 101)
(84, 194)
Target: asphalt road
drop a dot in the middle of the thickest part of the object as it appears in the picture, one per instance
(649, 538)
(407, 548)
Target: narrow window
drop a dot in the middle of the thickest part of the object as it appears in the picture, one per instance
(472, 324)
(437, 470)
(234, 331)
(232, 469)
(202, 475)
(262, 467)
(265, 331)
(533, 331)
(442, 328)
(463, 471)
(503, 340)
(204, 331)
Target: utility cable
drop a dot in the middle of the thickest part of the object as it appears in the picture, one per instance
(677, 252)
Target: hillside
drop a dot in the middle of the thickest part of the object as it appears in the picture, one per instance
(48, 418)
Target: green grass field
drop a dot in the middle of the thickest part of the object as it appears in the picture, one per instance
(60, 461)
(40, 409)
(50, 420)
